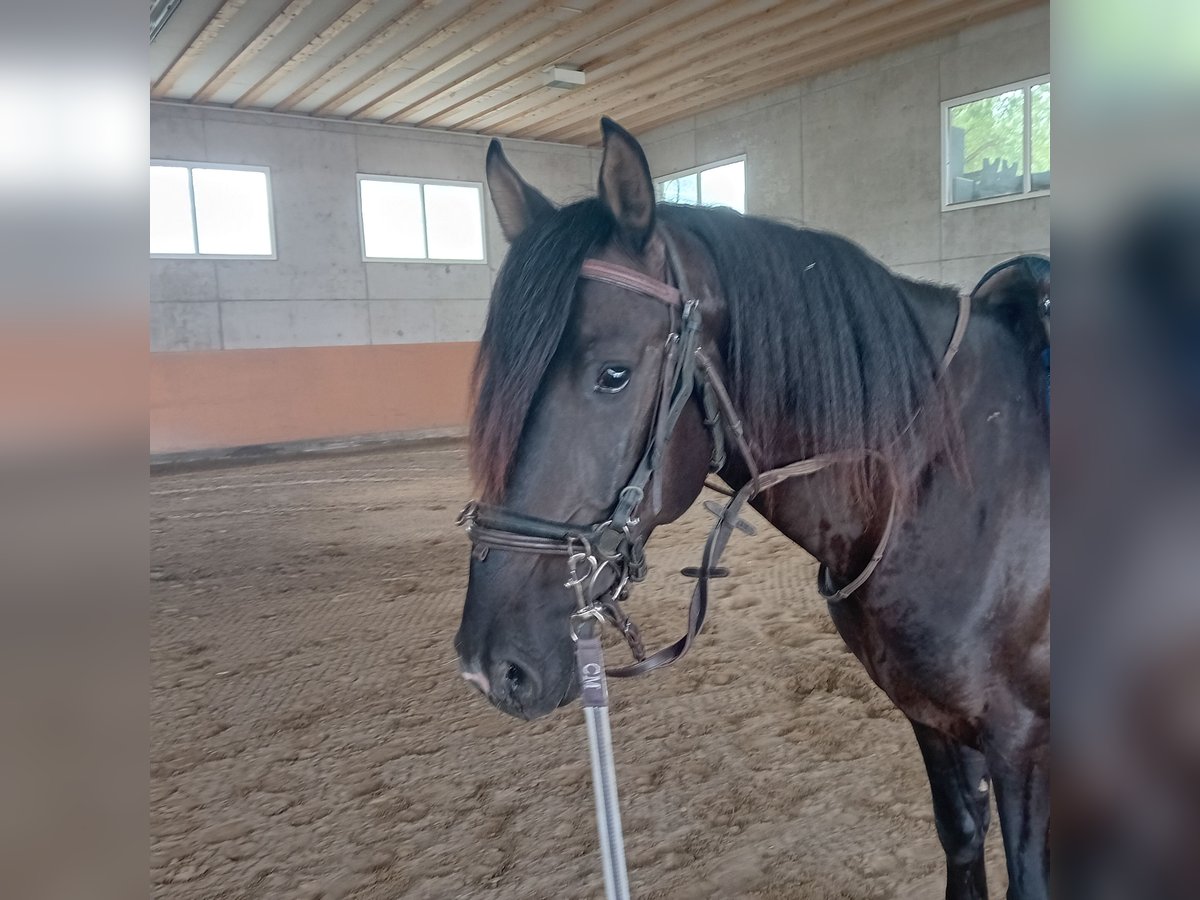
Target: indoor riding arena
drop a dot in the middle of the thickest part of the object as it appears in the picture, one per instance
(325, 243)
(311, 733)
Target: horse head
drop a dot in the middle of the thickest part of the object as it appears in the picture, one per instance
(569, 445)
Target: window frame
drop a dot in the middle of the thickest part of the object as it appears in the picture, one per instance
(696, 170)
(199, 164)
(421, 182)
(1027, 193)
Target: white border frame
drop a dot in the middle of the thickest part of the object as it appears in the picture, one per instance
(412, 179)
(696, 170)
(199, 164)
(1026, 193)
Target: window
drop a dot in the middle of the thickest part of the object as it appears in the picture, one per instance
(202, 209)
(403, 219)
(996, 144)
(719, 184)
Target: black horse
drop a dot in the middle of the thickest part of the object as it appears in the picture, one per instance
(824, 352)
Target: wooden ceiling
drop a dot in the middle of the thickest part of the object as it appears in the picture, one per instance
(478, 65)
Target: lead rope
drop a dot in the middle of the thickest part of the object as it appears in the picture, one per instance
(593, 690)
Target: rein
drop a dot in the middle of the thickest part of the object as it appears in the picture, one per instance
(610, 546)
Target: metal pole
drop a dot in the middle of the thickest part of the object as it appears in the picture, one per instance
(594, 692)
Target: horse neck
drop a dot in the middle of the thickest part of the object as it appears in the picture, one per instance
(819, 511)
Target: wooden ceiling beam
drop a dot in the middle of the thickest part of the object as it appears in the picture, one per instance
(770, 37)
(617, 57)
(389, 70)
(693, 41)
(477, 65)
(551, 45)
(285, 17)
(755, 81)
(476, 49)
(893, 41)
(315, 45)
(797, 66)
(729, 60)
(195, 48)
(760, 54)
(448, 109)
(386, 36)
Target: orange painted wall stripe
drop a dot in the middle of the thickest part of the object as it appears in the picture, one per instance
(229, 398)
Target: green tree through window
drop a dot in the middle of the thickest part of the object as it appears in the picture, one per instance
(993, 129)
(1039, 139)
(988, 147)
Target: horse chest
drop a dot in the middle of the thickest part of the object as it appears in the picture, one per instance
(923, 683)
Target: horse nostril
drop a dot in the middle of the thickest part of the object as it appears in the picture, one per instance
(513, 681)
(514, 677)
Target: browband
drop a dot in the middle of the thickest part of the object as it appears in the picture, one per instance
(611, 273)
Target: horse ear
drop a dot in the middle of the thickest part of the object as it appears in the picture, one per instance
(625, 184)
(518, 205)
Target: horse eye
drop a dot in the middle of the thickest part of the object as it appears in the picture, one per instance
(613, 379)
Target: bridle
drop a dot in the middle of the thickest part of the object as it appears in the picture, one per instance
(611, 545)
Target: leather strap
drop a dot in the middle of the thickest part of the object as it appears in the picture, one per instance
(715, 384)
(499, 518)
(960, 329)
(611, 273)
(718, 538)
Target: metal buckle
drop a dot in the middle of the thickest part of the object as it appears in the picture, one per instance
(574, 580)
(639, 494)
(580, 617)
(466, 516)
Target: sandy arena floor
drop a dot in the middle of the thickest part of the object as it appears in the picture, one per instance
(311, 739)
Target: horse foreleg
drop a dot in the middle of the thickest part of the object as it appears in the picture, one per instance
(1021, 772)
(959, 784)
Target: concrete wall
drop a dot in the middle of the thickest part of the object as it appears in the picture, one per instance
(236, 358)
(319, 292)
(858, 151)
(318, 343)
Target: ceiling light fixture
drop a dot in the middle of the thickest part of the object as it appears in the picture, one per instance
(565, 78)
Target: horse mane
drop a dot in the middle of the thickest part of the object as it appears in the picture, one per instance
(532, 301)
(822, 339)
